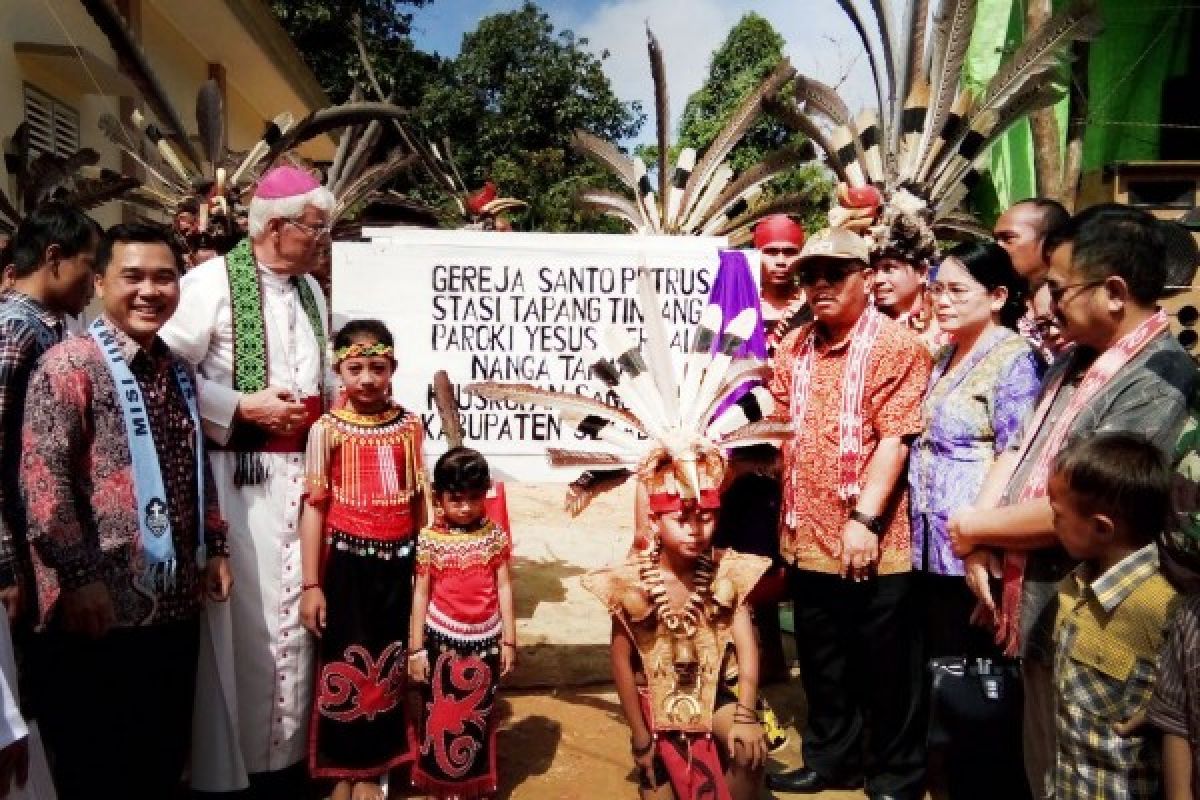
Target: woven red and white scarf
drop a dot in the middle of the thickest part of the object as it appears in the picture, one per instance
(850, 420)
(1102, 370)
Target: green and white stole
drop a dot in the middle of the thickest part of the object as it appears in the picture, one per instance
(250, 339)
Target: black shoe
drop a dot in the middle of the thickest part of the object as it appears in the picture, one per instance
(805, 781)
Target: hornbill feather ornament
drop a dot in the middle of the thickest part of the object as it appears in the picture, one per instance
(700, 194)
(922, 147)
(668, 430)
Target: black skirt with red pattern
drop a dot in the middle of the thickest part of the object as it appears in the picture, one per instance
(457, 732)
(359, 727)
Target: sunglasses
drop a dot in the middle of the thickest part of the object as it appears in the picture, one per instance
(1046, 325)
(786, 252)
(832, 273)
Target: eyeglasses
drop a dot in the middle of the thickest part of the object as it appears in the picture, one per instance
(1058, 292)
(956, 293)
(312, 230)
(832, 273)
(786, 252)
(1046, 325)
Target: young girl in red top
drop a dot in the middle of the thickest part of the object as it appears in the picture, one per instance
(463, 633)
(365, 477)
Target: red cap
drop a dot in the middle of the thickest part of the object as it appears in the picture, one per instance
(778, 228)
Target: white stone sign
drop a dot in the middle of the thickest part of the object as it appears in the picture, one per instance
(521, 307)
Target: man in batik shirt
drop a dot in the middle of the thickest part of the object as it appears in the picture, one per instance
(125, 533)
(852, 384)
(52, 268)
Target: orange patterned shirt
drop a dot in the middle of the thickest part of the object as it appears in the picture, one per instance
(898, 368)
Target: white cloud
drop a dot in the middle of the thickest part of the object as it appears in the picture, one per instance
(819, 40)
(688, 32)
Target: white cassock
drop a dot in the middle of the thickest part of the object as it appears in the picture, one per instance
(254, 684)
(12, 724)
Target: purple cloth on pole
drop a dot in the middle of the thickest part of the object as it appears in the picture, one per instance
(735, 290)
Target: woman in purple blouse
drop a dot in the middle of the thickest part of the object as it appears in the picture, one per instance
(983, 386)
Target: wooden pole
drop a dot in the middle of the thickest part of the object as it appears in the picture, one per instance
(447, 408)
(1047, 154)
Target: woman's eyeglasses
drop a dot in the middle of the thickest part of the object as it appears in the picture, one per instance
(1046, 325)
(956, 293)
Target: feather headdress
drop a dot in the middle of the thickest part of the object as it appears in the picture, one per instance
(75, 179)
(923, 143)
(214, 181)
(477, 209)
(700, 194)
(667, 432)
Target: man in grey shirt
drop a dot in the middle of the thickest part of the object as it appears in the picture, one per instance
(1107, 270)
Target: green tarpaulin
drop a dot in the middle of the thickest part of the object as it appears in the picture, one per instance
(1144, 43)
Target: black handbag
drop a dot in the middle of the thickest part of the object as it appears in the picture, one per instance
(974, 696)
(976, 705)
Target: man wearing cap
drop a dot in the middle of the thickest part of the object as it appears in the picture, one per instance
(784, 306)
(254, 325)
(852, 383)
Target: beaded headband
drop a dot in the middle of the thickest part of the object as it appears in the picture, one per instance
(358, 349)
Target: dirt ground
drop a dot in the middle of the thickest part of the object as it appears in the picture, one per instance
(573, 744)
(562, 735)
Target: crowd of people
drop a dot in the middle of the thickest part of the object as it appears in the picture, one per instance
(182, 447)
(211, 571)
(986, 500)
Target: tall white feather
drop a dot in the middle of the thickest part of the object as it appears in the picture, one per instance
(734, 336)
(684, 164)
(741, 372)
(658, 347)
(610, 433)
(734, 417)
(698, 356)
(720, 180)
(637, 391)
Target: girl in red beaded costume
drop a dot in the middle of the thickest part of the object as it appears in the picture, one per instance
(365, 480)
(463, 632)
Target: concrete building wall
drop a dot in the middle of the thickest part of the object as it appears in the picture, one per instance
(169, 33)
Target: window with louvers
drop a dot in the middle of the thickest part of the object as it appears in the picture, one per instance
(53, 127)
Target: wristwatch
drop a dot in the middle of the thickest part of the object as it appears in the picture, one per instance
(873, 524)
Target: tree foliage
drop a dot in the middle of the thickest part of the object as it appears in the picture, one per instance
(323, 32)
(748, 54)
(510, 100)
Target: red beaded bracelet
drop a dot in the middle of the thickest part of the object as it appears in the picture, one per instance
(304, 587)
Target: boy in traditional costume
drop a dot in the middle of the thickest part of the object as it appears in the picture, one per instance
(677, 605)
(675, 615)
(364, 476)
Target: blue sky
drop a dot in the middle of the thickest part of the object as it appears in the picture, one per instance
(820, 41)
